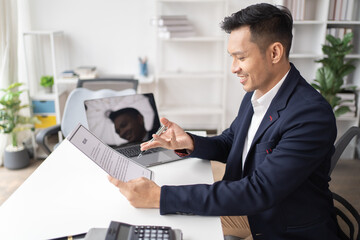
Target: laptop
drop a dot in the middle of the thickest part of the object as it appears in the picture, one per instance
(124, 122)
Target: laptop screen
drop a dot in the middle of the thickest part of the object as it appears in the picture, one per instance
(123, 120)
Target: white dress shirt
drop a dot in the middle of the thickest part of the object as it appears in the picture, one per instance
(260, 106)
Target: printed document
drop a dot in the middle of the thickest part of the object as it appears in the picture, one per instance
(114, 163)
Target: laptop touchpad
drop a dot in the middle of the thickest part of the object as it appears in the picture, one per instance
(152, 159)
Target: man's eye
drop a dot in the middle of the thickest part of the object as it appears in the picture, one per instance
(241, 58)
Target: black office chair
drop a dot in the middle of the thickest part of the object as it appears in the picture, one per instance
(347, 216)
(341, 144)
(116, 84)
(348, 219)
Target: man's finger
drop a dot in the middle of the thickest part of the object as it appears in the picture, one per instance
(116, 182)
(160, 141)
(173, 137)
(165, 122)
(147, 145)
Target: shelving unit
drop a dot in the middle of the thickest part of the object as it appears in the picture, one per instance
(310, 35)
(193, 66)
(44, 55)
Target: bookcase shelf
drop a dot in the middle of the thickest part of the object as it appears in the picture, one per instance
(172, 110)
(343, 24)
(43, 56)
(317, 16)
(194, 75)
(194, 65)
(194, 60)
(196, 39)
(350, 17)
(308, 22)
(190, 1)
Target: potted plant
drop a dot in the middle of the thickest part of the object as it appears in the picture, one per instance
(12, 122)
(47, 82)
(330, 77)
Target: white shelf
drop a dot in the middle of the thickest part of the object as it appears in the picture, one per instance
(201, 57)
(194, 39)
(342, 118)
(190, 111)
(190, 1)
(53, 32)
(305, 55)
(353, 56)
(44, 96)
(342, 23)
(308, 22)
(67, 80)
(42, 58)
(316, 56)
(174, 75)
(145, 80)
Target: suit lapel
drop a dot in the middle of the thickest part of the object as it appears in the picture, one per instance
(234, 168)
(277, 104)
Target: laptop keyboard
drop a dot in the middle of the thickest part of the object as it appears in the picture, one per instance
(135, 151)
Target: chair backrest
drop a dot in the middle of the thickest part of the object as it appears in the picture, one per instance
(348, 219)
(341, 144)
(74, 111)
(116, 84)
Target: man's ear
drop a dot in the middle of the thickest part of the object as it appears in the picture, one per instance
(276, 51)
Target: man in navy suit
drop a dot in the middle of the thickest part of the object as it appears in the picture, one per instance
(277, 150)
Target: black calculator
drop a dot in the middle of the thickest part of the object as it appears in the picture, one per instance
(124, 231)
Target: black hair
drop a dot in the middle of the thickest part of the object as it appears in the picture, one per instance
(267, 23)
(130, 111)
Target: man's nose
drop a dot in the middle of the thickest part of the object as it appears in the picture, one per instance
(235, 67)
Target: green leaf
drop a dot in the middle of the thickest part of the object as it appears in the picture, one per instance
(10, 120)
(47, 81)
(334, 100)
(347, 38)
(316, 86)
(14, 85)
(329, 77)
(341, 110)
(333, 40)
(345, 70)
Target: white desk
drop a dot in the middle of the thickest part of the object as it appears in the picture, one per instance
(68, 194)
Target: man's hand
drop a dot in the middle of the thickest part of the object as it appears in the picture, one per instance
(173, 138)
(141, 192)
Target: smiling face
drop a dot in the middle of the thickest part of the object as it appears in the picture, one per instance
(253, 66)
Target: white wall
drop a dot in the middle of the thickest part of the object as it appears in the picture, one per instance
(109, 34)
(112, 34)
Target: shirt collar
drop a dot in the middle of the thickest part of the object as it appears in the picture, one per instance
(266, 99)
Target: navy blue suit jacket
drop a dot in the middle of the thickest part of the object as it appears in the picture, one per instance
(283, 188)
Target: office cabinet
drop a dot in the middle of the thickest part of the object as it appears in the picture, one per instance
(190, 72)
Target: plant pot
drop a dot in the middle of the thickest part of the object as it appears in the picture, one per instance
(48, 89)
(16, 159)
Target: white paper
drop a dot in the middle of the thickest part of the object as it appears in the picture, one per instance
(114, 163)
